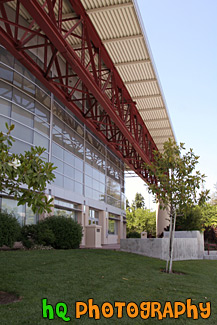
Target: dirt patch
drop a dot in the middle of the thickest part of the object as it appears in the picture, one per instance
(8, 298)
(174, 272)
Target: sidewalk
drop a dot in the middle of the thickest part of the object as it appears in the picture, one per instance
(115, 247)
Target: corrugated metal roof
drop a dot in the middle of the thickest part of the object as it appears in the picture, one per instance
(120, 28)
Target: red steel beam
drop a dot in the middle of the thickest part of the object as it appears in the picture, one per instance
(121, 121)
(70, 56)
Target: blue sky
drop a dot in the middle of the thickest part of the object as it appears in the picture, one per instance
(182, 37)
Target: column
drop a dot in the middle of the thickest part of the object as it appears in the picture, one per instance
(162, 220)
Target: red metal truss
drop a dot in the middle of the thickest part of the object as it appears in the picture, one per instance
(75, 66)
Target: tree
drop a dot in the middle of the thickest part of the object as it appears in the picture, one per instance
(141, 220)
(191, 219)
(25, 176)
(139, 201)
(213, 200)
(209, 213)
(127, 203)
(176, 185)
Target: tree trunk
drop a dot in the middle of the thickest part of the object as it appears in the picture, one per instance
(172, 243)
(169, 250)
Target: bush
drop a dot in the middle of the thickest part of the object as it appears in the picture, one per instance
(28, 235)
(191, 220)
(45, 235)
(57, 231)
(38, 234)
(67, 232)
(133, 234)
(210, 234)
(9, 229)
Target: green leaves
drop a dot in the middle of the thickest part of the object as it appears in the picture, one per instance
(29, 169)
(178, 181)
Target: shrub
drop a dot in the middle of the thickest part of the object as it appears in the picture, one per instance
(67, 232)
(133, 234)
(9, 229)
(45, 235)
(192, 219)
(39, 234)
(28, 235)
(210, 234)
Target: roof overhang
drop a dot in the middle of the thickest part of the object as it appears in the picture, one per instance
(121, 30)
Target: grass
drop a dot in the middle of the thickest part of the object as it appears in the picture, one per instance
(77, 275)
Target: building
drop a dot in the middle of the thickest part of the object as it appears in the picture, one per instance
(79, 80)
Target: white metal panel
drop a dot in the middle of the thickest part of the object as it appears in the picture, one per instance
(119, 28)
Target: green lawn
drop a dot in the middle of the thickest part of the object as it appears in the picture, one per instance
(77, 275)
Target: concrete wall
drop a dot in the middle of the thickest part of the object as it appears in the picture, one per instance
(112, 239)
(187, 246)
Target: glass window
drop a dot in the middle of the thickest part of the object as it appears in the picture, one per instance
(4, 120)
(78, 145)
(28, 85)
(58, 180)
(88, 181)
(113, 201)
(78, 163)
(102, 188)
(78, 176)
(19, 147)
(11, 206)
(88, 170)
(96, 195)
(23, 133)
(96, 174)
(5, 107)
(45, 156)
(22, 115)
(42, 112)
(41, 141)
(112, 227)
(19, 67)
(68, 158)
(58, 163)
(64, 213)
(57, 151)
(88, 192)
(95, 185)
(69, 184)
(6, 73)
(69, 171)
(31, 218)
(78, 188)
(42, 97)
(5, 90)
(6, 57)
(18, 80)
(41, 126)
(58, 134)
(23, 100)
(93, 216)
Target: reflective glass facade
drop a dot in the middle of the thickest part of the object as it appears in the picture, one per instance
(85, 165)
(22, 213)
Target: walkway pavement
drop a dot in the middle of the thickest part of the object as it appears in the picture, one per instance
(114, 247)
(212, 255)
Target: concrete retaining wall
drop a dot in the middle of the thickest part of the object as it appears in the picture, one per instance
(188, 245)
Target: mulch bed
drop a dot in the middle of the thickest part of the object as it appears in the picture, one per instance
(8, 298)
